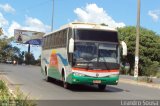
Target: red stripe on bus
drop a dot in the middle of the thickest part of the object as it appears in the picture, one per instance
(102, 71)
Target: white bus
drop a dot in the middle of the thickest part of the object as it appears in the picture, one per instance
(82, 53)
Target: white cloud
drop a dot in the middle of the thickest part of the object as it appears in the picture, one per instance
(11, 28)
(7, 8)
(32, 24)
(155, 14)
(3, 21)
(36, 25)
(93, 13)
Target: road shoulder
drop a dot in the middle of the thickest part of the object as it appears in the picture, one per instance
(133, 82)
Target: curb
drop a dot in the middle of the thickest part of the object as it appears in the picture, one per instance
(150, 85)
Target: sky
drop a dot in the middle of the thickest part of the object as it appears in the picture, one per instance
(36, 15)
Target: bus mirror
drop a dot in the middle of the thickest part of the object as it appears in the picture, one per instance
(124, 48)
(71, 45)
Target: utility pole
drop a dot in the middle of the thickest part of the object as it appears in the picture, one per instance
(52, 15)
(137, 41)
(29, 46)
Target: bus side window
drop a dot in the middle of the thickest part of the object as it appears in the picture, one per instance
(45, 43)
(65, 37)
(51, 42)
(48, 40)
(42, 43)
(55, 39)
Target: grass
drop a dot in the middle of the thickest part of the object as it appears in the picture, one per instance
(7, 99)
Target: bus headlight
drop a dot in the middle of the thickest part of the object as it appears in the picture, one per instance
(78, 74)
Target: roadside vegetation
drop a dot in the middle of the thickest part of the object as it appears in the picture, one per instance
(149, 58)
(9, 53)
(8, 99)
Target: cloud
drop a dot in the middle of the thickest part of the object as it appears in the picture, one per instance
(32, 24)
(3, 21)
(11, 28)
(93, 13)
(155, 14)
(36, 25)
(7, 8)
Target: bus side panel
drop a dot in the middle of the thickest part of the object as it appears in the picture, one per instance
(63, 63)
(56, 61)
(44, 61)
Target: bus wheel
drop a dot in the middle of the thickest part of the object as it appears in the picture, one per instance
(65, 84)
(47, 78)
(101, 87)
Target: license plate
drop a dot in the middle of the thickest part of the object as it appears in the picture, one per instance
(97, 81)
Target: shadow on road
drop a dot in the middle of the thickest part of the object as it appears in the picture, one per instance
(87, 88)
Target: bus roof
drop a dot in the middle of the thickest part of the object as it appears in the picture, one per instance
(88, 26)
(84, 25)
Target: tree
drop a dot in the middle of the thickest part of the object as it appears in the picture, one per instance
(149, 49)
(3, 44)
(29, 58)
(38, 61)
(21, 57)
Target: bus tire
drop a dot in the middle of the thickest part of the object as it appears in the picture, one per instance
(101, 87)
(47, 78)
(65, 84)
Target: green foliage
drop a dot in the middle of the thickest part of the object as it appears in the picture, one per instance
(7, 99)
(158, 75)
(8, 52)
(148, 52)
(29, 58)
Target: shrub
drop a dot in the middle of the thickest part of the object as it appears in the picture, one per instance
(7, 99)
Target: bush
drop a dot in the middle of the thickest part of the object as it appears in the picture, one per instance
(158, 75)
(145, 79)
(7, 99)
(151, 68)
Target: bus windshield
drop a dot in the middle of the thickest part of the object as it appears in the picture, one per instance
(85, 52)
(96, 35)
(95, 52)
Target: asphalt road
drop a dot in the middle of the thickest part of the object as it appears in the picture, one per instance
(31, 82)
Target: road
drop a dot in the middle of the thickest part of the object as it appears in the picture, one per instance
(31, 82)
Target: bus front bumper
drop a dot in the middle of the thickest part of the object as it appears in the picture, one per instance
(108, 80)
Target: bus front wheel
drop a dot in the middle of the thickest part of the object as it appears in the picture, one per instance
(65, 84)
(101, 87)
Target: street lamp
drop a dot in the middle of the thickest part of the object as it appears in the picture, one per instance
(137, 41)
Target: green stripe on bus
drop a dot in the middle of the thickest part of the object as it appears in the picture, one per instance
(54, 73)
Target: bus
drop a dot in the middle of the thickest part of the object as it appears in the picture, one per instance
(82, 53)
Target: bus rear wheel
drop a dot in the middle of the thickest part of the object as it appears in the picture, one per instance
(47, 78)
(101, 87)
